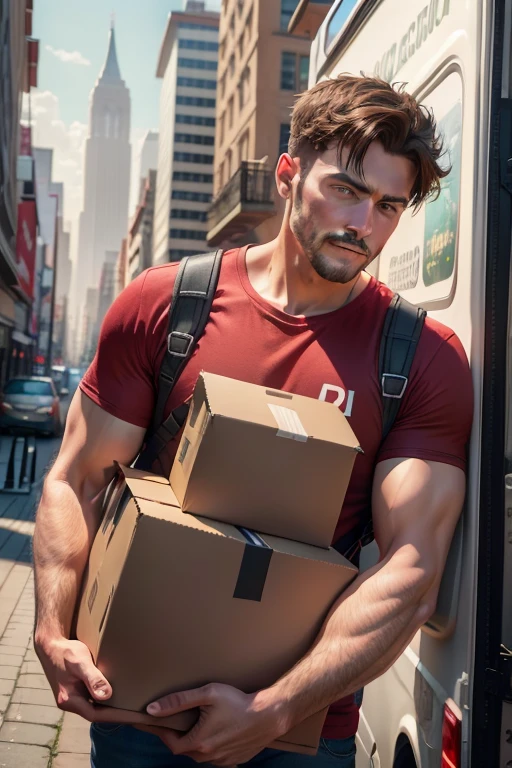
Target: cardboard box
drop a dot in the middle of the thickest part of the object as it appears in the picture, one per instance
(271, 461)
(172, 601)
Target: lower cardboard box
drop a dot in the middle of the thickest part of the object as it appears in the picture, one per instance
(172, 601)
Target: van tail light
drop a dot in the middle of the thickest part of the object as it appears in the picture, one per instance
(452, 736)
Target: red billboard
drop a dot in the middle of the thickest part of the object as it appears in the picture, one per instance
(26, 245)
(25, 140)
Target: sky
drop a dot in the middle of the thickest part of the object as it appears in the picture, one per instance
(73, 39)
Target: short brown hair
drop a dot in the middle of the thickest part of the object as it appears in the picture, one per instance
(355, 111)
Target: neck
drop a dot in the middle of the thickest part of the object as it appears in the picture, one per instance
(282, 275)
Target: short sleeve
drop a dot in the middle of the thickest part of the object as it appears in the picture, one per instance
(120, 378)
(434, 422)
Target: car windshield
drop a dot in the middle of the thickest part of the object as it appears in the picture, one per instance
(28, 387)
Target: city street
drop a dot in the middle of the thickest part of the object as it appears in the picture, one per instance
(34, 733)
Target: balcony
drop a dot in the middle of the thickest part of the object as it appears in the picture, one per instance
(245, 201)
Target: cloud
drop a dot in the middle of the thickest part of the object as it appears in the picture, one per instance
(67, 142)
(69, 57)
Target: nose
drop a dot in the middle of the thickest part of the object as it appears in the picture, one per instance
(361, 219)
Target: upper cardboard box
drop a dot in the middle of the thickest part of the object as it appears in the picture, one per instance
(268, 460)
(172, 602)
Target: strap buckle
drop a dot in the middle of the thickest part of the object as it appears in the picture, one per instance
(394, 385)
(179, 344)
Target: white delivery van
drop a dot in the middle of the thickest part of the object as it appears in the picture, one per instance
(447, 700)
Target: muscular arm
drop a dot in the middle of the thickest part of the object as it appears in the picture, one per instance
(68, 516)
(416, 505)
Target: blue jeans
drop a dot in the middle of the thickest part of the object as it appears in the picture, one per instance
(121, 746)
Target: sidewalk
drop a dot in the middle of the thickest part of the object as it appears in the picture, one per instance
(34, 733)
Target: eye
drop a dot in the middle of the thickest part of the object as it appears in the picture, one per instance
(388, 208)
(344, 190)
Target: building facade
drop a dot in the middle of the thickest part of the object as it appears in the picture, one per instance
(104, 218)
(140, 234)
(187, 65)
(261, 69)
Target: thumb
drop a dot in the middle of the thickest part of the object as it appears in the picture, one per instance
(96, 683)
(180, 702)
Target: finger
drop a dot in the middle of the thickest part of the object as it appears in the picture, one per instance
(96, 683)
(180, 702)
(79, 706)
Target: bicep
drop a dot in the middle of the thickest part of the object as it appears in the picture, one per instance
(93, 441)
(416, 505)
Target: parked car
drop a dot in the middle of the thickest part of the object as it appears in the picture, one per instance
(30, 403)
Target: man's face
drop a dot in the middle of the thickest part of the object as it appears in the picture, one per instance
(342, 220)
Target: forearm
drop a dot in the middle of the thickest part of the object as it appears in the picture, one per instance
(65, 527)
(365, 632)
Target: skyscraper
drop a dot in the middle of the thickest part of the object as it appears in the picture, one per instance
(104, 218)
(187, 65)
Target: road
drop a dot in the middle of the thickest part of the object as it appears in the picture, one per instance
(34, 733)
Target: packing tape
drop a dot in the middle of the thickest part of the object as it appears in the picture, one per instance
(288, 423)
(253, 568)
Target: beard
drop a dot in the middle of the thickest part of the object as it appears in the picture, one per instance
(336, 269)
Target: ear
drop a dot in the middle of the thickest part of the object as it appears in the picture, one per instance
(286, 170)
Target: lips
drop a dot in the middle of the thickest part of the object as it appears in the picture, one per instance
(346, 247)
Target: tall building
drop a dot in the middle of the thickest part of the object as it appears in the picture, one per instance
(261, 68)
(148, 159)
(104, 218)
(187, 65)
(140, 234)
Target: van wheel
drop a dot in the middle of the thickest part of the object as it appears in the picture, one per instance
(404, 756)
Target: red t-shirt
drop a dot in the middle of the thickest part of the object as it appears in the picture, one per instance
(332, 356)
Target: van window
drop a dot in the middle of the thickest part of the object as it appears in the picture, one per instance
(338, 20)
(420, 258)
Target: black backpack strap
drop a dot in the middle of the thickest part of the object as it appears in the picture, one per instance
(400, 336)
(194, 291)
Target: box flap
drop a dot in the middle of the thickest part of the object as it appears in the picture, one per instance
(298, 549)
(139, 474)
(292, 416)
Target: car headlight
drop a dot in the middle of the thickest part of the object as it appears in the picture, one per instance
(45, 409)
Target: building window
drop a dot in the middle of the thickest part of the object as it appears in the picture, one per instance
(195, 101)
(199, 178)
(197, 64)
(232, 23)
(231, 65)
(288, 71)
(243, 87)
(243, 148)
(303, 73)
(204, 27)
(191, 157)
(198, 45)
(229, 158)
(188, 234)
(287, 10)
(190, 138)
(241, 46)
(231, 109)
(222, 127)
(294, 72)
(222, 82)
(184, 213)
(196, 120)
(240, 6)
(193, 197)
(196, 82)
(284, 135)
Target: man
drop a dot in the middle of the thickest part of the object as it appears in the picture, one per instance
(300, 314)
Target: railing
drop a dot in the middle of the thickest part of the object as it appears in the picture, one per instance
(252, 183)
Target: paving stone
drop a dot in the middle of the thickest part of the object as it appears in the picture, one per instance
(28, 733)
(13, 642)
(22, 620)
(11, 660)
(33, 681)
(8, 673)
(6, 686)
(33, 713)
(8, 650)
(4, 703)
(74, 736)
(31, 668)
(31, 656)
(33, 696)
(23, 756)
(71, 761)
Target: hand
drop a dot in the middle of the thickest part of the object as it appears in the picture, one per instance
(73, 677)
(232, 726)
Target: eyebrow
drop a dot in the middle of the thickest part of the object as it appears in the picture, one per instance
(365, 190)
